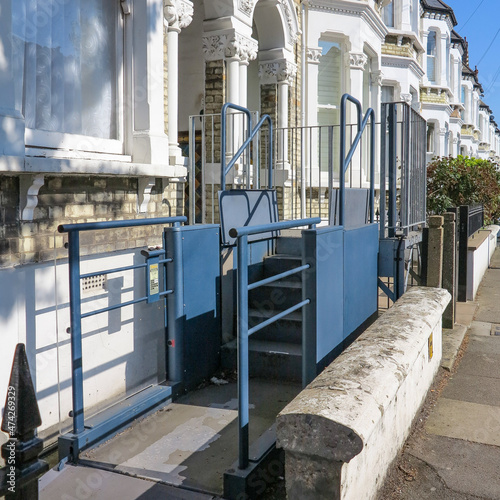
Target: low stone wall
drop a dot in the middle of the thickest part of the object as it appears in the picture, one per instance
(478, 259)
(341, 433)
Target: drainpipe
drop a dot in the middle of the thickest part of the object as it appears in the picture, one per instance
(304, 65)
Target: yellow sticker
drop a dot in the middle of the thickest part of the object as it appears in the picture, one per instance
(154, 283)
(431, 347)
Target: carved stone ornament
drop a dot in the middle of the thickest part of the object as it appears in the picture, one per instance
(277, 71)
(241, 47)
(357, 60)
(313, 54)
(213, 46)
(246, 6)
(285, 5)
(376, 78)
(178, 13)
(406, 98)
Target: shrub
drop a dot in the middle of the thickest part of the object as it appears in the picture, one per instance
(452, 182)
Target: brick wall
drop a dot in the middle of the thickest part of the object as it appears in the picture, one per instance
(69, 199)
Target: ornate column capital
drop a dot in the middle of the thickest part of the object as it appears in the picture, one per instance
(227, 45)
(313, 54)
(277, 71)
(358, 60)
(178, 14)
(241, 47)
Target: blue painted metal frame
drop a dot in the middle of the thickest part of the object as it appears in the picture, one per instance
(346, 160)
(241, 234)
(81, 435)
(253, 132)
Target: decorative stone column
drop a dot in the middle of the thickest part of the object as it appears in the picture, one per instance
(442, 61)
(281, 72)
(357, 63)
(178, 14)
(150, 143)
(313, 59)
(425, 36)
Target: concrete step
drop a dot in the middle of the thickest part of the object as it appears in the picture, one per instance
(267, 359)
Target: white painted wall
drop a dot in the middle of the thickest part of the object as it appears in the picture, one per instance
(123, 350)
(478, 258)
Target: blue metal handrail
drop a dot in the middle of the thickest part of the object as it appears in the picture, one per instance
(241, 234)
(76, 315)
(346, 160)
(253, 132)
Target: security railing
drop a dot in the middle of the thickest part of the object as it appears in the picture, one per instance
(204, 161)
(345, 160)
(243, 287)
(82, 434)
(403, 173)
(245, 147)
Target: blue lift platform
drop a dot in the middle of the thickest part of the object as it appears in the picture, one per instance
(300, 294)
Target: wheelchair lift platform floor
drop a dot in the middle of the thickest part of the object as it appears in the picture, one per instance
(192, 442)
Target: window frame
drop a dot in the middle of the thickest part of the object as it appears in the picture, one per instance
(76, 144)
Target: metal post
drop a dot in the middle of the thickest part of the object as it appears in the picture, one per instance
(192, 172)
(176, 308)
(76, 330)
(383, 160)
(392, 209)
(243, 371)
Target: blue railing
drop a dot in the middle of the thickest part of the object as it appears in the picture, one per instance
(246, 144)
(241, 234)
(75, 276)
(346, 160)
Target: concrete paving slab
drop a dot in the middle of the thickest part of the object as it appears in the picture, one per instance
(452, 340)
(469, 469)
(465, 313)
(474, 422)
(489, 297)
(484, 345)
(95, 484)
(480, 364)
(481, 328)
(474, 389)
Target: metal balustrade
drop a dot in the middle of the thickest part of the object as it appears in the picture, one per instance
(83, 435)
(243, 287)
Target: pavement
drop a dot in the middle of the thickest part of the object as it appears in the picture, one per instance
(453, 452)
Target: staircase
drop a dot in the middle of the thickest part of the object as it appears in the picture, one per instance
(275, 352)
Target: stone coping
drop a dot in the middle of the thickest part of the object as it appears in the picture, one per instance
(350, 395)
(477, 239)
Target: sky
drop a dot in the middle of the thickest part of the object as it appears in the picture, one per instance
(479, 22)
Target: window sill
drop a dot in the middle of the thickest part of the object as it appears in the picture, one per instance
(76, 166)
